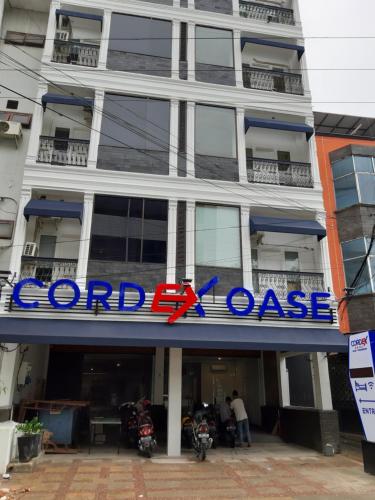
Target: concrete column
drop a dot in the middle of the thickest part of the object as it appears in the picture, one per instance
(95, 130)
(36, 126)
(172, 239)
(313, 157)
(176, 27)
(190, 240)
(190, 139)
(51, 32)
(321, 382)
(324, 251)
(104, 42)
(1, 15)
(176, 3)
(237, 57)
(283, 380)
(8, 374)
(191, 51)
(241, 145)
(84, 246)
(246, 248)
(174, 402)
(173, 138)
(19, 234)
(191, 4)
(158, 382)
(236, 7)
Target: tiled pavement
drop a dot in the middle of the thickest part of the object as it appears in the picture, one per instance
(266, 471)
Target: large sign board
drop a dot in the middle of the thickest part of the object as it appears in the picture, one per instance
(362, 378)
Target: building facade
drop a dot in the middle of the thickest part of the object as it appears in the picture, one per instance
(172, 142)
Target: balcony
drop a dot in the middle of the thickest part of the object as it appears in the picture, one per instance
(283, 282)
(48, 270)
(81, 54)
(266, 13)
(58, 151)
(282, 173)
(272, 81)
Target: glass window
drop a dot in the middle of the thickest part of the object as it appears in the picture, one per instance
(354, 248)
(346, 191)
(215, 131)
(254, 258)
(107, 248)
(351, 269)
(141, 35)
(354, 253)
(291, 261)
(363, 164)
(135, 122)
(214, 46)
(343, 167)
(218, 241)
(366, 184)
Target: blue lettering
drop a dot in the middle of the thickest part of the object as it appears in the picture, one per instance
(17, 290)
(240, 312)
(66, 305)
(202, 291)
(274, 306)
(121, 299)
(316, 305)
(92, 294)
(294, 303)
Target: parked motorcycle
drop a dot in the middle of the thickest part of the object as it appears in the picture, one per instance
(137, 426)
(229, 428)
(201, 439)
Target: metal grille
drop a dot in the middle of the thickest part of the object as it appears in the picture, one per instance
(284, 173)
(48, 270)
(267, 13)
(63, 151)
(284, 282)
(82, 54)
(272, 81)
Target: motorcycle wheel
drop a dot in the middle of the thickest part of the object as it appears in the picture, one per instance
(202, 455)
(148, 453)
(233, 441)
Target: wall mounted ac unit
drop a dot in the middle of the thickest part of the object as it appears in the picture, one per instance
(30, 249)
(10, 129)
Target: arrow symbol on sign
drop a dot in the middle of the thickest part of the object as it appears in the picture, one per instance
(366, 400)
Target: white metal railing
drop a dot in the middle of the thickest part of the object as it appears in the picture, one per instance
(283, 282)
(63, 151)
(81, 54)
(267, 13)
(272, 81)
(282, 173)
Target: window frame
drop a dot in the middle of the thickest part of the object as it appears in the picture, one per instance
(198, 26)
(366, 241)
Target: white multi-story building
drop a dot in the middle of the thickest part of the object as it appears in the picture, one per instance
(170, 140)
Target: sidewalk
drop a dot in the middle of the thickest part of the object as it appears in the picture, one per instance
(265, 471)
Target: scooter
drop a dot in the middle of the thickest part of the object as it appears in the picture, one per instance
(201, 439)
(146, 434)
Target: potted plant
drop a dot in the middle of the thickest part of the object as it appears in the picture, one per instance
(29, 444)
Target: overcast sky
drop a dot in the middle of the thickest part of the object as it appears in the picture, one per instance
(340, 68)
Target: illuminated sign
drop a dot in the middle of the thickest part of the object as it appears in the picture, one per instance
(178, 303)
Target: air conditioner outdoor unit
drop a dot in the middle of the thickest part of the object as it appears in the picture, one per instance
(30, 249)
(10, 129)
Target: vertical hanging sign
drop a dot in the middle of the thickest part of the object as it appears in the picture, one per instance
(362, 378)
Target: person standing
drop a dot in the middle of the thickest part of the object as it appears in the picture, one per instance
(237, 405)
(225, 410)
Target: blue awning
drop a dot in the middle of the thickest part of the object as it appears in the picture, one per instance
(294, 226)
(82, 15)
(271, 43)
(67, 99)
(50, 208)
(279, 125)
(188, 335)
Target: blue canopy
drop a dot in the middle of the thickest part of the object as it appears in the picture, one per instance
(271, 43)
(294, 226)
(51, 208)
(279, 125)
(66, 99)
(82, 15)
(197, 336)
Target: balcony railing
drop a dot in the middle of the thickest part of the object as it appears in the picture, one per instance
(81, 54)
(282, 173)
(283, 282)
(48, 270)
(267, 13)
(63, 151)
(272, 81)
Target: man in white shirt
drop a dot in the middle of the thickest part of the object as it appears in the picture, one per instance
(238, 407)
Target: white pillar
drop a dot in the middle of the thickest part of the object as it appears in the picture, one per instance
(283, 380)
(96, 125)
(321, 382)
(176, 27)
(174, 402)
(158, 382)
(173, 138)
(246, 248)
(1, 14)
(8, 374)
(237, 57)
(191, 51)
(324, 251)
(190, 139)
(190, 240)
(241, 145)
(172, 241)
(36, 126)
(104, 42)
(176, 3)
(84, 246)
(236, 7)
(191, 4)
(313, 157)
(51, 32)
(19, 234)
